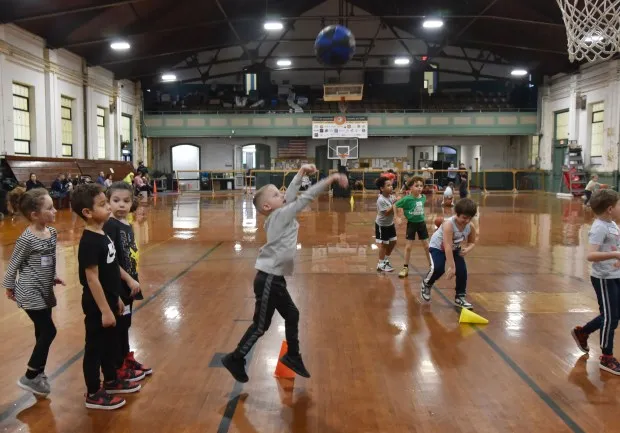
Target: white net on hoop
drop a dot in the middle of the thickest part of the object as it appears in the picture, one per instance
(342, 106)
(592, 28)
(343, 157)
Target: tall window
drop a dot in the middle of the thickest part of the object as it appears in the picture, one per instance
(67, 126)
(534, 149)
(21, 118)
(125, 128)
(100, 133)
(596, 138)
(561, 125)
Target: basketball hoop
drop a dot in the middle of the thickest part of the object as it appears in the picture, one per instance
(592, 28)
(343, 157)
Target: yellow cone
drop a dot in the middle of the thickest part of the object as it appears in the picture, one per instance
(468, 316)
(352, 201)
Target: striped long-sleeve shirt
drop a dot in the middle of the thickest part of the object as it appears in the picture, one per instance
(34, 259)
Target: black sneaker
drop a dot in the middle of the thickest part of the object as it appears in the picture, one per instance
(236, 367)
(295, 363)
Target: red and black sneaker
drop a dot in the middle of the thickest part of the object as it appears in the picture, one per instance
(129, 374)
(581, 338)
(104, 401)
(121, 387)
(610, 364)
(131, 363)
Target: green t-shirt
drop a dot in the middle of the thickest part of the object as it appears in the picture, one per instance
(413, 207)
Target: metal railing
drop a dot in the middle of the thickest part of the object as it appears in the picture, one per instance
(350, 109)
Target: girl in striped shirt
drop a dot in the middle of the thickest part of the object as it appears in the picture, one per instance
(30, 280)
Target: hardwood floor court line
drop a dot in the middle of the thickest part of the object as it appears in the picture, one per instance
(18, 404)
(546, 398)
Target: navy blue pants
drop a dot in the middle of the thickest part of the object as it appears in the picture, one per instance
(438, 268)
(608, 296)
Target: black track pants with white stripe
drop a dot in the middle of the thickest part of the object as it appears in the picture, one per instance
(271, 295)
(608, 296)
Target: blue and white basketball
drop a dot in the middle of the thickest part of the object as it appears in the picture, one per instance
(334, 46)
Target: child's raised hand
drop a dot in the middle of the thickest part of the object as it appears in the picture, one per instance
(308, 168)
(341, 179)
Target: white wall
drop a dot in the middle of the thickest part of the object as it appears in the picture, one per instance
(597, 83)
(51, 74)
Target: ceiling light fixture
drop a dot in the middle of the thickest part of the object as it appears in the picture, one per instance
(168, 77)
(273, 25)
(401, 61)
(518, 72)
(284, 62)
(432, 23)
(120, 45)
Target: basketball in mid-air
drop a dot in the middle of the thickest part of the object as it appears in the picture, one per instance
(334, 46)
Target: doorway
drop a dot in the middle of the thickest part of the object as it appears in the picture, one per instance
(448, 154)
(185, 162)
(322, 163)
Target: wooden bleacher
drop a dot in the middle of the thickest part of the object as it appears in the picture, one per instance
(47, 169)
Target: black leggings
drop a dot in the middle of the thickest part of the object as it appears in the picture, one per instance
(44, 332)
(123, 323)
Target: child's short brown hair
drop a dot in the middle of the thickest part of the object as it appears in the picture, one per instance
(413, 180)
(83, 197)
(603, 200)
(258, 198)
(466, 207)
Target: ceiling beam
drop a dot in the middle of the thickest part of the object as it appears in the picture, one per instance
(55, 14)
(360, 58)
(232, 28)
(515, 47)
(212, 23)
(358, 68)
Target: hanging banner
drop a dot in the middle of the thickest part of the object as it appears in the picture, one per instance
(339, 126)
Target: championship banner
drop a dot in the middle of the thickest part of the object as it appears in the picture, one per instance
(339, 126)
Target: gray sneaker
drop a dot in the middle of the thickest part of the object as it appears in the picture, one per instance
(37, 386)
(425, 292)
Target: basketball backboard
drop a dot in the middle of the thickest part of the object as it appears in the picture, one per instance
(342, 149)
(342, 92)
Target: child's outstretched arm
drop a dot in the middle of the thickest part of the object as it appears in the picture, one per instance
(471, 241)
(290, 210)
(293, 188)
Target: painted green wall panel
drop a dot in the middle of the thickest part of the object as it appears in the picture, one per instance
(381, 124)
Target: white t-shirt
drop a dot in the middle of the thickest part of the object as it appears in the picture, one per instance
(448, 192)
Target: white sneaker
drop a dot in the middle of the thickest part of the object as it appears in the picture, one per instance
(385, 267)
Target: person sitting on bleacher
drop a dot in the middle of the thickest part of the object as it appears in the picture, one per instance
(33, 183)
(59, 187)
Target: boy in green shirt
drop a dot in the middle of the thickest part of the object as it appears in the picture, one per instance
(413, 208)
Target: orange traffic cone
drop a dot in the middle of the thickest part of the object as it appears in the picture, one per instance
(155, 188)
(282, 370)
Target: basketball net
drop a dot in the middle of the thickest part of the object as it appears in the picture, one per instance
(592, 28)
(342, 105)
(343, 158)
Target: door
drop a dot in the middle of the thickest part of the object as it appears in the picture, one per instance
(263, 157)
(559, 154)
(322, 163)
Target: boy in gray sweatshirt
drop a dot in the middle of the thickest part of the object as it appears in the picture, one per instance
(274, 262)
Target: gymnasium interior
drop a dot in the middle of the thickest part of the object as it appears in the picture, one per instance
(515, 101)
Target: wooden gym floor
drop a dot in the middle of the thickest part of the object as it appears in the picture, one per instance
(380, 361)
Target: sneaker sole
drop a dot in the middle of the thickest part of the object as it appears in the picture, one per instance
(609, 370)
(100, 407)
(32, 390)
(123, 391)
(137, 378)
(574, 334)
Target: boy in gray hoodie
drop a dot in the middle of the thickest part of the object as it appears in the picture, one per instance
(275, 261)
